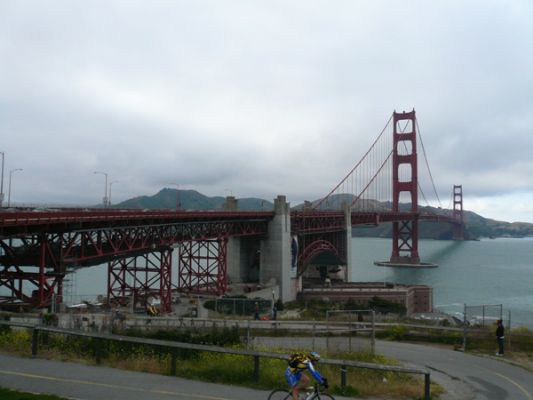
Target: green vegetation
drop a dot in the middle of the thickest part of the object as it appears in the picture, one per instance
(6, 394)
(316, 309)
(238, 305)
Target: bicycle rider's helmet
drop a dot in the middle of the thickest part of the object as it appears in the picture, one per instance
(314, 357)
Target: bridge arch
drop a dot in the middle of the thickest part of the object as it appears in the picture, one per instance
(313, 249)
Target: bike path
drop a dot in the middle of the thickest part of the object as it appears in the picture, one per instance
(463, 376)
(87, 382)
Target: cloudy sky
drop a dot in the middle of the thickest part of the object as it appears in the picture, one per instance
(260, 98)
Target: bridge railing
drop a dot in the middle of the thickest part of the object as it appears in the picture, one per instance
(173, 346)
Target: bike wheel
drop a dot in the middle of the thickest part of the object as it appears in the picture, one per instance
(280, 394)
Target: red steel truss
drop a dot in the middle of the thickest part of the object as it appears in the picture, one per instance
(142, 277)
(36, 254)
(202, 266)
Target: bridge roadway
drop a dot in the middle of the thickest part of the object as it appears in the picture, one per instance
(24, 222)
(463, 376)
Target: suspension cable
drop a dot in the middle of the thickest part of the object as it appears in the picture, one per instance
(319, 203)
(427, 163)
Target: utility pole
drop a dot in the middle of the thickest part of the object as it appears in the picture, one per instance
(2, 181)
(9, 190)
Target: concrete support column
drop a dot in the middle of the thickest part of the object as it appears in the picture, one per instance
(234, 265)
(276, 251)
(348, 226)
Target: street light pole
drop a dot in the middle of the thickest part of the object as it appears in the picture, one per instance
(2, 181)
(110, 186)
(105, 187)
(9, 189)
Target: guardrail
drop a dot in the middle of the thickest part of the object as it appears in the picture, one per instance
(256, 355)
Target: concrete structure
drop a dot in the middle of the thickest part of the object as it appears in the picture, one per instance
(415, 298)
(275, 250)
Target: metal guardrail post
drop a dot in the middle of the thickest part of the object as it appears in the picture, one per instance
(464, 329)
(248, 335)
(427, 382)
(173, 361)
(343, 376)
(34, 341)
(350, 328)
(373, 338)
(98, 351)
(256, 368)
(314, 332)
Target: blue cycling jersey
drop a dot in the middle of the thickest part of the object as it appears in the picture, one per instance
(293, 375)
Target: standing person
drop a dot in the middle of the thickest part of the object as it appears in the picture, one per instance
(500, 330)
(256, 310)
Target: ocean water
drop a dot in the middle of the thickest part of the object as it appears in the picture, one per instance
(485, 272)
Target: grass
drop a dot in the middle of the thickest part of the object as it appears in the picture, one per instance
(6, 394)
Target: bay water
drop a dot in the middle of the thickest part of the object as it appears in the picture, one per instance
(485, 272)
(475, 273)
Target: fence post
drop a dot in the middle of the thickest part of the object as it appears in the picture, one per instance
(34, 341)
(248, 335)
(427, 382)
(343, 376)
(256, 368)
(314, 328)
(350, 333)
(373, 339)
(327, 332)
(509, 328)
(464, 329)
(98, 351)
(173, 361)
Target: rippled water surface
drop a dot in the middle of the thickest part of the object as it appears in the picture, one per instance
(498, 271)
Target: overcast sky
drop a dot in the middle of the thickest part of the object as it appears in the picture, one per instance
(260, 98)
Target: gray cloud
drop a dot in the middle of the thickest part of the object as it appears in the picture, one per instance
(262, 98)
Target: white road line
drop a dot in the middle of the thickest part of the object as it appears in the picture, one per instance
(89, 383)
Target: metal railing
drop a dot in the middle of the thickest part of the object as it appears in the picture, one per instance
(173, 346)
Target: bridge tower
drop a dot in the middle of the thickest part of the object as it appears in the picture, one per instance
(458, 229)
(405, 180)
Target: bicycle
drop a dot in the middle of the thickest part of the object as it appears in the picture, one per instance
(315, 394)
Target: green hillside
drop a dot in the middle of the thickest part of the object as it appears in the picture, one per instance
(189, 200)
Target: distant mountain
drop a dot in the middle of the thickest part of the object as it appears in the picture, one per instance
(475, 225)
(190, 200)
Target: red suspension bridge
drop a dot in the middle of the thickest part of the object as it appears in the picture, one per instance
(156, 253)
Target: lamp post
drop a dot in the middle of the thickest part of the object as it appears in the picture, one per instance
(105, 187)
(9, 188)
(110, 186)
(2, 181)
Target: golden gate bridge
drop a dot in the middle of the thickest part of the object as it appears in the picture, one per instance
(160, 252)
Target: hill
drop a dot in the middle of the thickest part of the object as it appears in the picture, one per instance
(476, 226)
(190, 200)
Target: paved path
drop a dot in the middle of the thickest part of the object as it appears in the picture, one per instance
(464, 376)
(85, 382)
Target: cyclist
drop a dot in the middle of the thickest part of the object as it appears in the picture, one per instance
(295, 372)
